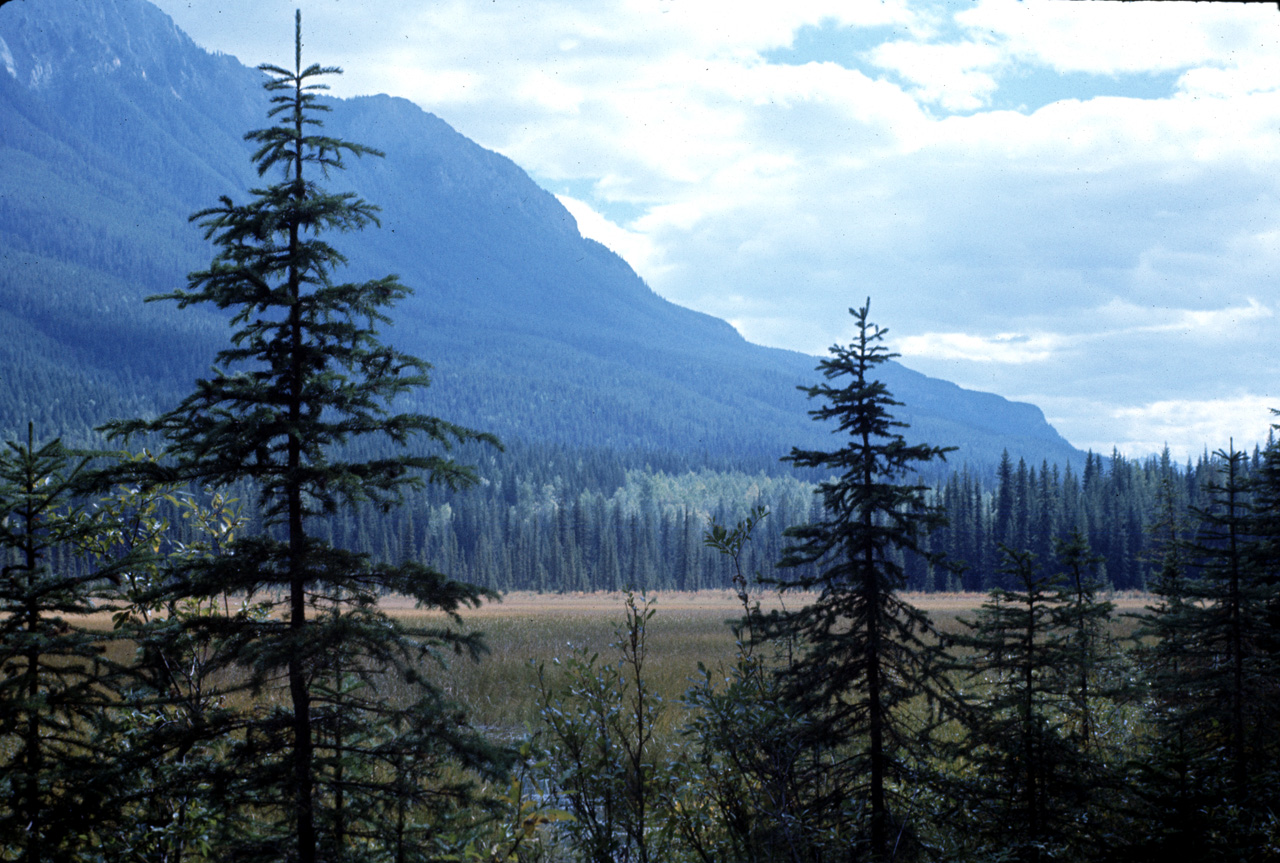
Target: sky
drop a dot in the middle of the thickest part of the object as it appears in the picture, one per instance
(1073, 204)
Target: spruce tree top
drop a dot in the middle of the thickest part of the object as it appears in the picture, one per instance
(869, 508)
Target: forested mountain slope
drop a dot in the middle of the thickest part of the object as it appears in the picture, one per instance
(115, 127)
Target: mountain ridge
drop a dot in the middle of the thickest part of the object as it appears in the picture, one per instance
(116, 127)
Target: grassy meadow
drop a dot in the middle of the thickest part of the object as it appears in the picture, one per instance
(528, 629)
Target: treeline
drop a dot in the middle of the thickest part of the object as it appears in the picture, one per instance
(1058, 740)
(1112, 502)
(558, 519)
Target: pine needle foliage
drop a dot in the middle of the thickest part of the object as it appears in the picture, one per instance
(1168, 770)
(1230, 677)
(1208, 777)
(747, 780)
(1091, 654)
(1026, 781)
(1232, 680)
(57, 684)
(338, 758)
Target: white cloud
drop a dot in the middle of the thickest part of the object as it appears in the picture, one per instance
(1113, 38)
(957, 76)
(636, 249)
(1245, 77)
(999, 348)
(1187, 426)
(1220, 323)
(1127, 375)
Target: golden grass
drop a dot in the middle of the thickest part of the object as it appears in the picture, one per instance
(517, 603)
(526, 629)
(522, 603)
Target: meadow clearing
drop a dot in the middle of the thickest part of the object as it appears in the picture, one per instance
(527, 629)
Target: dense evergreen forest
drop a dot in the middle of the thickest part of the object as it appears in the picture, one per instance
(550, 518)
(559, 519)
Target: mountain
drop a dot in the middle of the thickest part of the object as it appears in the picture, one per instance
(115, 126)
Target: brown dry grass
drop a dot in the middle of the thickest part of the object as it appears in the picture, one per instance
(709, 602)
(526, 603)
(527, 629)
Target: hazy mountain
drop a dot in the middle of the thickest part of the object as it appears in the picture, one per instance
(114, 127)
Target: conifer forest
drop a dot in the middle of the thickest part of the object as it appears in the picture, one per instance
(198, 661)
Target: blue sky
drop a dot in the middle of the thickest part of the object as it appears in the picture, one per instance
(1072, 204)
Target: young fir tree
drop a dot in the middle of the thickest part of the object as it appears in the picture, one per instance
(1230, 675)
(1025, 780)
(57, 684)
(343, 755)
(867, 673)
(1166, 774)
(1090, 658)
(746, 783)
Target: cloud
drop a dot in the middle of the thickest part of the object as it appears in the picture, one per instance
(1116, 38)
(1127, 375)
(1204, 324)
(636, 249)
(1000, 348)
(958, 76)
(1187, 426)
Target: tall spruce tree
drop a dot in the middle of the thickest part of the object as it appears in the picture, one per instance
(343, 755)
(868, 655)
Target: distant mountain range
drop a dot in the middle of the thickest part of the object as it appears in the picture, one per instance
(115, 127)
